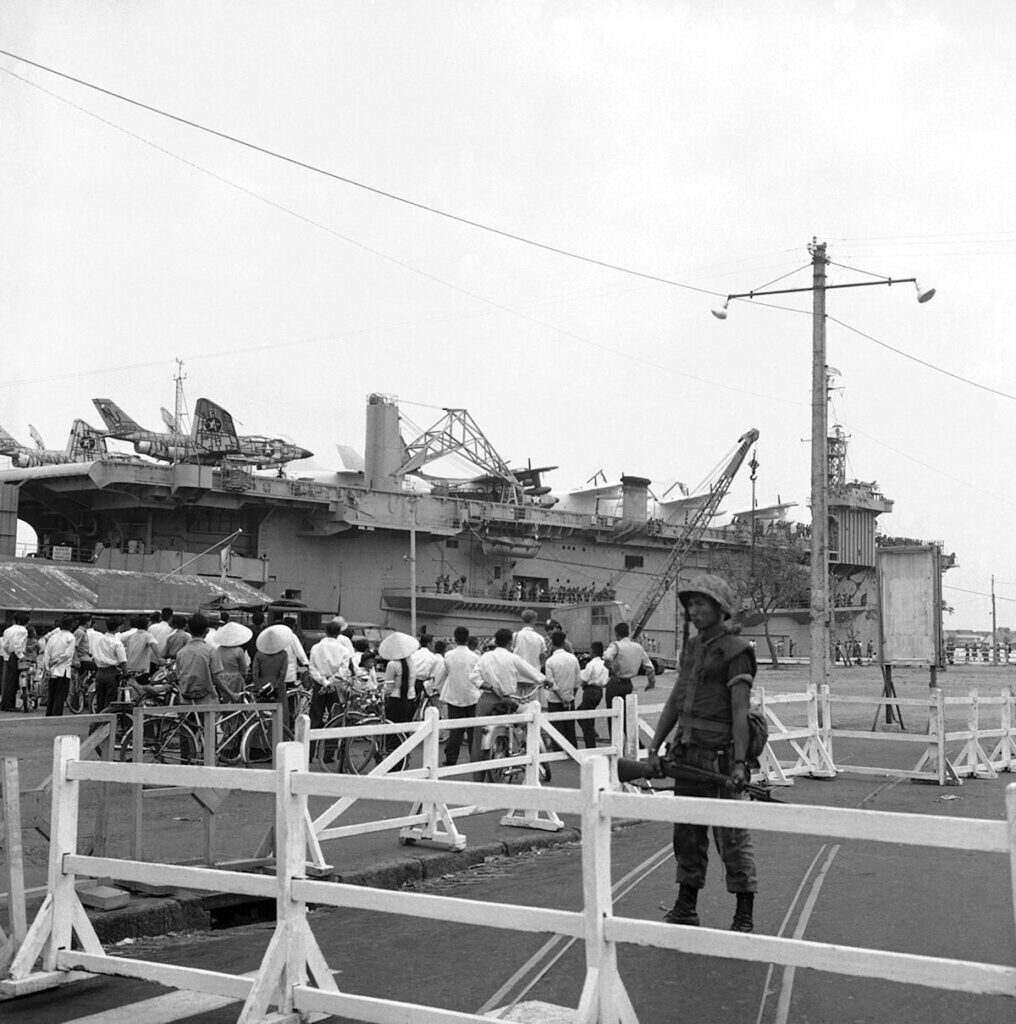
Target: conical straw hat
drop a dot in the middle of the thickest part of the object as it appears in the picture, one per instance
(274, 639)
(232, 634)
(396, 646)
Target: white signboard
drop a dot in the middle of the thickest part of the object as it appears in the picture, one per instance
(910, 605)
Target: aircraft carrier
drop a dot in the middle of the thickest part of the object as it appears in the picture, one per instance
(370, 542)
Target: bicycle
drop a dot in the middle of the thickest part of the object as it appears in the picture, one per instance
(255, 738)
(29, 677)
(164, 739)
(510, 741)
(82, 690)
(364, 706)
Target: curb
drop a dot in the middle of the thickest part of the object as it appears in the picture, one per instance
(148, 916)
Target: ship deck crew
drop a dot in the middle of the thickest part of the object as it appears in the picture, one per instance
(709, 706)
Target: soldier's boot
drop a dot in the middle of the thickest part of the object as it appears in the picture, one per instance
(743, 921)
(683, 911)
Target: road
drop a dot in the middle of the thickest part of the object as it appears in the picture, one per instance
(869, 894)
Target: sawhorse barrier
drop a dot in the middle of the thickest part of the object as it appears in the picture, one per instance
(295, 978)
(435, 823)
(207, 718)
(986, 750)
(31, 809)
(809, 742)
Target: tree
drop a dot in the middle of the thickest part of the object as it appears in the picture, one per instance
(779, 579)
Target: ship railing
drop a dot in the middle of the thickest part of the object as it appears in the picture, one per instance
(294, 978)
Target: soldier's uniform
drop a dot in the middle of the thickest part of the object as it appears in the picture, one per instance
(712, 665)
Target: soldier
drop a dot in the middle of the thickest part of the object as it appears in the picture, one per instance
(709, 706)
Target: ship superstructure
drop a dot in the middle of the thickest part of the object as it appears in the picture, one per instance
(366, 544)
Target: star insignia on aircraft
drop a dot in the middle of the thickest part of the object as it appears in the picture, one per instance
(213, 424)
(88, 443)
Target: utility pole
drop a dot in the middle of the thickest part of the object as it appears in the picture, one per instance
(820, 620)
(994, 625)
(819, 631)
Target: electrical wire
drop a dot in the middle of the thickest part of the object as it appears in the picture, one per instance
(352, 241)
(928, 465)
(923, 362)
(274, 154)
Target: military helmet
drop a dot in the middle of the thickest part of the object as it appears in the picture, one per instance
(714, 588)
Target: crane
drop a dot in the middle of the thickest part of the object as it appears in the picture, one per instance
(690, 537)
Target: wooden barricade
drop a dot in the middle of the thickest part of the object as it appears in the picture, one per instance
(209, 800)
(294, 978)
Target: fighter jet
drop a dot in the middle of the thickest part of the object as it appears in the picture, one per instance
(213, 438)
(85, 444)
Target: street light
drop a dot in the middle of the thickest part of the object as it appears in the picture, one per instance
(819, 632)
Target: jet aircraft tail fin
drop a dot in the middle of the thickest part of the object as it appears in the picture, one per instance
(118, 423)
(85, 442)
(7, 443)
(37, 438)
(213, 428)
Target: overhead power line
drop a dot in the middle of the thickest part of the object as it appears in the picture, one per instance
(923, 362)
(375, 190)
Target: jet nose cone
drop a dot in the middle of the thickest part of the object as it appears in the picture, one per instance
(304, 454)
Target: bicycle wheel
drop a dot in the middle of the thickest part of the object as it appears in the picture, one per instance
(362, 752)
(330, 755)
(229, 748)
(178, 743)
(499, 748)
(256, 743)
(75, 702)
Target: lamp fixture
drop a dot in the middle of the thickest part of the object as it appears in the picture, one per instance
(923, 294)
(720, 312)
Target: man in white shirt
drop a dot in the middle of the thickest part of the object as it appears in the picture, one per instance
(58, 661)
(529, 646)
(425, 664)
(563, 677)
(497, 674)
(12, 645)
(297, 656)
(329, 672)
(458, 691)
(594, 680)
(160, 628)
(623, 658)
(110, 657)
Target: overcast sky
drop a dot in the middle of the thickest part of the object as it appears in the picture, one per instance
(705, 143)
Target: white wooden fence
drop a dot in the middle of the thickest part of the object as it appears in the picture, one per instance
(294, 977)
(435, 822)
(987, 748)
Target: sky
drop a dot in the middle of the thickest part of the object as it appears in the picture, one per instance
(702, 143)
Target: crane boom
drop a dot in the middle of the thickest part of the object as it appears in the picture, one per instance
(691, 535)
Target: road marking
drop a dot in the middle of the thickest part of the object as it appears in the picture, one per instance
(787, 987)
(620, 888)
(783, 928)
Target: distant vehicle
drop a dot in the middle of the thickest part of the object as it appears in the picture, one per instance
(212, 439)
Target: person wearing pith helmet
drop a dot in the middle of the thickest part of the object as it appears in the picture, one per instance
(709, 707)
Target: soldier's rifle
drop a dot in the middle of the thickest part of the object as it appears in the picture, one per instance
(629, 770)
